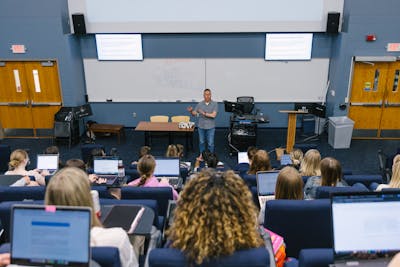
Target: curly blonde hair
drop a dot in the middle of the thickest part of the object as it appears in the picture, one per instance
(215, 216)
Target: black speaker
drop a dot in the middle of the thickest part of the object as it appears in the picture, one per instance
(332, 23)
(78, 21)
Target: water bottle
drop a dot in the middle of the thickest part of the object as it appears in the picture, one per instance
(121, 168)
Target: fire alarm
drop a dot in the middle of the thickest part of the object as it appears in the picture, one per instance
(370, 38)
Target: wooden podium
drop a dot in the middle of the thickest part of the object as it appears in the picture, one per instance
(291, 130)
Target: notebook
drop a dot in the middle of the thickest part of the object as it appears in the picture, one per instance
(47, 162)
(266, 181)
(50, 235)
(286, 160)
(106, 168)
(242, 157)
(125, 216)
(168, 168)
(365, 226)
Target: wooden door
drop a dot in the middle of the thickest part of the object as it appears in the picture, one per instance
(30, 95)
(374, 100)
(390, 123)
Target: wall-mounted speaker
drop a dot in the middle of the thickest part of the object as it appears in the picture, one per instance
(332, 24)
(78, 21)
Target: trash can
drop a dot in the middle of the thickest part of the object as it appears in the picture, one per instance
(340, 131)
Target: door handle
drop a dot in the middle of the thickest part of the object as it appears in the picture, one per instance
(17, 104)
(45, 104)
(366, 104)
(388, 104)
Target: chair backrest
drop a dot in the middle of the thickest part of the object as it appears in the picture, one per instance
(386, 172)
(302, 223)
(106, 256)
(86, 150)
(168, 257)
(365, 179)
(5, 152)
(180, 118)
(159, 118)
(19, 193)
(161, 194)
(326, 191)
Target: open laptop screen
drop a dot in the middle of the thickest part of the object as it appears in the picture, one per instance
(242, 157)
(50, 235)
(105, 165)
(167, 167)
(266, 182)
(365, 223)
(47, 161)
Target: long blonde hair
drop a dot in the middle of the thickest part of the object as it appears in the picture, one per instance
(215, 216)
(310, 164)
(70, 187)
(17, 157)
(395, 180)
(289, 184)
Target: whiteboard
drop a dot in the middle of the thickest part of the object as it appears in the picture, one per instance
(268, 81)
(171, 80)
(144, 81)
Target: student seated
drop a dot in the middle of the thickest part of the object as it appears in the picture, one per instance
(395, 180)
(289, 184)
(260, 162)
(310, 165)
(146, 167)
(331, 175)
(144, 150)
(215, 217)
(53, 150)
(70, 187)
(78, 163)
(208, 160)
(242, 168)
(19, 159)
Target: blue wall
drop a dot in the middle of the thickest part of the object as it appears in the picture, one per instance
(42, 25)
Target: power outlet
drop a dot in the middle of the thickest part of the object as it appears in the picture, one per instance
(134, 114)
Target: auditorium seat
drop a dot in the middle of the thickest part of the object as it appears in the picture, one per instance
(326, 191)
(19, 193)
(168, 257)
(316, 257)
(365, 179)
(302, 223)
(5, 152)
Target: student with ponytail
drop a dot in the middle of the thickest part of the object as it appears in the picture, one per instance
(146, 166)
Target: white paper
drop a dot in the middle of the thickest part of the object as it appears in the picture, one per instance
(17, 81)
(36, 80)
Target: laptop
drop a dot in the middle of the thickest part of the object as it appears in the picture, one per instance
(168, 168)
(366, 228)
(106, 168)
(47, 162)
(242, 157)
(50, 236)
(266, 181)
(286, 160)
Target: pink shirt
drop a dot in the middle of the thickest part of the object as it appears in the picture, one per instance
(153, 182)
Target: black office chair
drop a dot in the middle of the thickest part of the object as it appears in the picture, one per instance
(247, 102)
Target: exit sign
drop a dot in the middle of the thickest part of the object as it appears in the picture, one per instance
(393, 47)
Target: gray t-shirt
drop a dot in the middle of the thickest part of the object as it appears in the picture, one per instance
(206, 122)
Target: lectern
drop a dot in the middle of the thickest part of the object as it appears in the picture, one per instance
(291, 130)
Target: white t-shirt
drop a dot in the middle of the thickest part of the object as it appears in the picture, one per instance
(115, 237)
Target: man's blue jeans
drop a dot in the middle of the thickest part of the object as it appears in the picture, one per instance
(206, 134)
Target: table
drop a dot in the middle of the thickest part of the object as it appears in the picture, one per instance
(169, 128)
(117, 129)
(291, 130)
